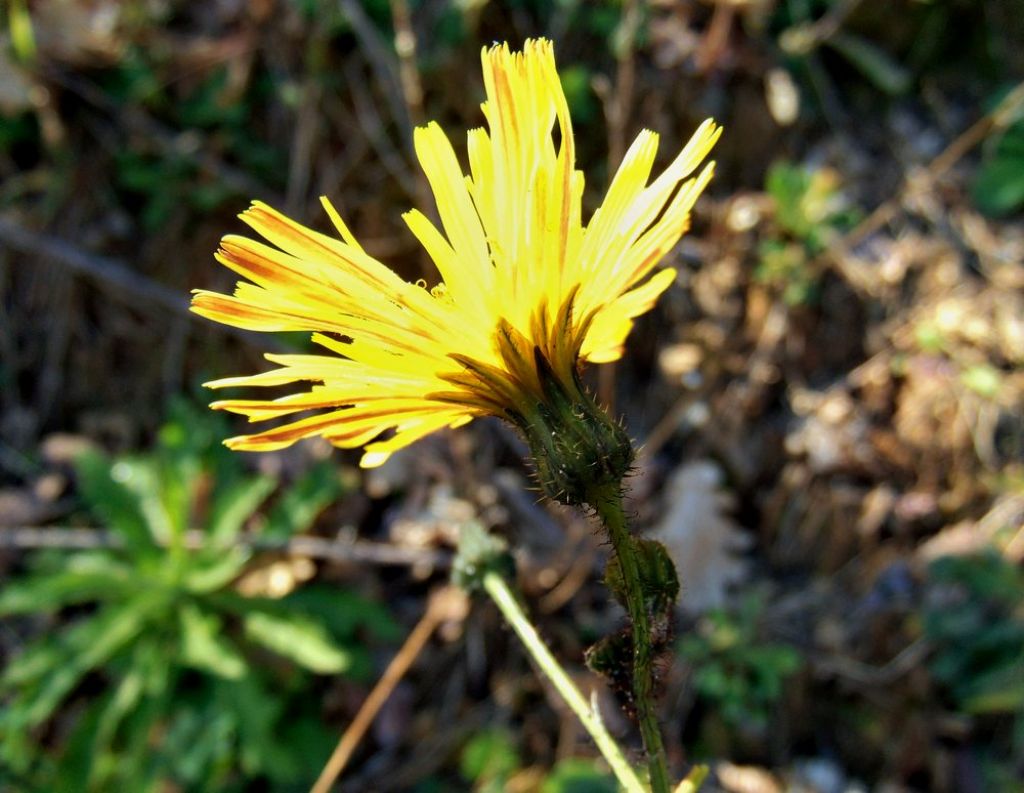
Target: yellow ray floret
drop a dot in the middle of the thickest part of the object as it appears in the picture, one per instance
(525, 285)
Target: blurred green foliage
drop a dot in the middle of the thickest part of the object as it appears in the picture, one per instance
(216, 118)
(809, 212)
(164, 184)
(981, 378)
(491, 758)
(977, 627)
(738, 674)
(975, 621)
(576, 775)
(798, 24)
(998, 188)
(176, 679)
(889, 46)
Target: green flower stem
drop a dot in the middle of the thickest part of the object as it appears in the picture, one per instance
(608, 504)
(508, 604)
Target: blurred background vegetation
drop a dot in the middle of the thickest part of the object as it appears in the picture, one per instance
(829, 402)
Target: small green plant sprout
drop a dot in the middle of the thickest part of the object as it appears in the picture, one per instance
(810, 211)
(158, 674)
(735, 671)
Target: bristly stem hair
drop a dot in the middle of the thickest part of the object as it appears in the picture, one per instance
(607, 503)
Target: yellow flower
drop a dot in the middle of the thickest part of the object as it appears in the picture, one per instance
(528, 292)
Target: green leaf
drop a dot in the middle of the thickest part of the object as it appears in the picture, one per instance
(46, 593)
(204, 647)
(256, 710)
(141, 477)
(489, 755)
(873, 62)
(136, 761)
(999, 185)
(198, 746)
(787, 184)
(19, 25)
(300, 505)
(111, 501)
(57, 668)
(122, 701)
(575, 775)
(178, 477)
(343, 612)
(299, 638)
(1001, 700)
(212, 571)
(234, 505)
(80, 758)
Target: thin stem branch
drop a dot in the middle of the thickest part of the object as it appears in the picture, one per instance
(608, 505)
(508, 604)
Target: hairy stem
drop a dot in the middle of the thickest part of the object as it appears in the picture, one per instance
(608, 504)
(508, 604)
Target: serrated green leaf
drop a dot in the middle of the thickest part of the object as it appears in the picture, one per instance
(298, 638)
(204, 647)
(234, 505)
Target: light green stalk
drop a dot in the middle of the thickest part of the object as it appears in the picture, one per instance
(508, 604)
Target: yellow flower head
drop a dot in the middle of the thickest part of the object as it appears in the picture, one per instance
(528, 291)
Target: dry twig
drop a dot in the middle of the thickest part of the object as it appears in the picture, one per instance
(74, 539)
(448, 603)
(838, 253)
